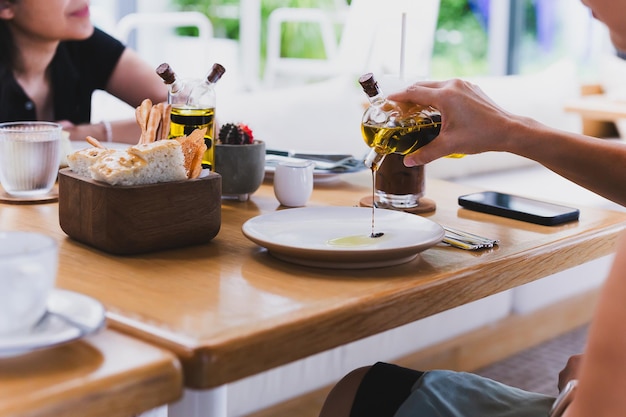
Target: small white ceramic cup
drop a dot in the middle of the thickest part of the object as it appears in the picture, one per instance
(293, 182)
(30, 153)
(28, 269)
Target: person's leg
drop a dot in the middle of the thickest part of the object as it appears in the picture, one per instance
(373, 391)
(340, 399)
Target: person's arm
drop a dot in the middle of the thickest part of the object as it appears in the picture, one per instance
(602, 378)
(123, 131)
(472, 123)
(132, 81)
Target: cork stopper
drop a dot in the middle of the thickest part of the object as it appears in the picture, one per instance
(369, 84)
(165, 72)
(216, 73)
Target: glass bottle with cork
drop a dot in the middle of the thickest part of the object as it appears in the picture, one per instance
(176, 86)
(193, 106)
(389, 127)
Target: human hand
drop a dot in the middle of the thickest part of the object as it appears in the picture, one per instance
(80, 132)
(471, 122)
(65, 124)
(570, 371)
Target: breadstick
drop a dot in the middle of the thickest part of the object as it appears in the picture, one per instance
(138, 118)
(94, 142)
(142, 113)
(154, 120)
(165, 121)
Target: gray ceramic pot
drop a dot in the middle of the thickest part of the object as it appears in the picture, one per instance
(242, 168)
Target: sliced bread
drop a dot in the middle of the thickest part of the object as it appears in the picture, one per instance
(160, 161)
(80, 161)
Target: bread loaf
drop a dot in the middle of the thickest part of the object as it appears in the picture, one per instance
(81, 161)
(160, 161)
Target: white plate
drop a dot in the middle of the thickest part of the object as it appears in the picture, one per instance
(318, 174)
(339, 237)
(54, 331)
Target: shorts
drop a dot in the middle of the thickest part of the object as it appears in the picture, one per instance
(392, 391)
(383, 389)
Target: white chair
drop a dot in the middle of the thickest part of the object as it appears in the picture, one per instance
(371, 40)
(157, 42)
(160, 20)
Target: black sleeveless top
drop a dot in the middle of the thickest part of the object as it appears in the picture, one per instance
(77, 69)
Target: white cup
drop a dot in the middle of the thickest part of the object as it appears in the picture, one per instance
(30, 153)
(293, 182)
(28, 269)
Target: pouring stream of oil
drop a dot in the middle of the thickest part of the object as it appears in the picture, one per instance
(361, 240)
(374, 234)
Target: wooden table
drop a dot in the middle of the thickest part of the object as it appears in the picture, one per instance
(598, 113)
(230, 310)
(106, 375)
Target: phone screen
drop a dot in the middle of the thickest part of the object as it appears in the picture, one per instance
(520, 208)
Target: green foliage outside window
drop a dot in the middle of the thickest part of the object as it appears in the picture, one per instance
(460, 48)
(299, 39)
(461, 42)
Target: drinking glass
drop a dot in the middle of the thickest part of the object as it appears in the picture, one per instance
(398, 186)
(30, 153)
(28, 268)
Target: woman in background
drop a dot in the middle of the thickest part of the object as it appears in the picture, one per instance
(51, 61)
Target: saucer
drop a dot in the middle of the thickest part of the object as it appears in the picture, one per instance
(50, 197)
(53, 330)
(321, 172)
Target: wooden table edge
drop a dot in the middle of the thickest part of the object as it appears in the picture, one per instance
(199, 362)
(157, 382)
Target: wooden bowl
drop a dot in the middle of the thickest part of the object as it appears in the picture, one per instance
(126, 220)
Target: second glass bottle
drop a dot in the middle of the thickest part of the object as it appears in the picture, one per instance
(193, 106)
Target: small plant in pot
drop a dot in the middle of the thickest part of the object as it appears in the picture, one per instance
(240, 160)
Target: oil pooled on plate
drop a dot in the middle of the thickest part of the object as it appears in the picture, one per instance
(356, 240)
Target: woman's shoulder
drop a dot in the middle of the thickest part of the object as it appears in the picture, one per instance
(100, 40)
(93, 59)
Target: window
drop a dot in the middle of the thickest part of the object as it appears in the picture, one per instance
(474, 37)
(461, 40)
(545, 31)
(480, 37)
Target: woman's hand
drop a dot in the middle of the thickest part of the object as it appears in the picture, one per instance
(80, 132)
(471, 121)
(122, 131)
(570, 371)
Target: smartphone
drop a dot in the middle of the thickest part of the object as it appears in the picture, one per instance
(519, 208)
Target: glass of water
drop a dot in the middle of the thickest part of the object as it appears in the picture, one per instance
(30, 153)
(28, 269)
